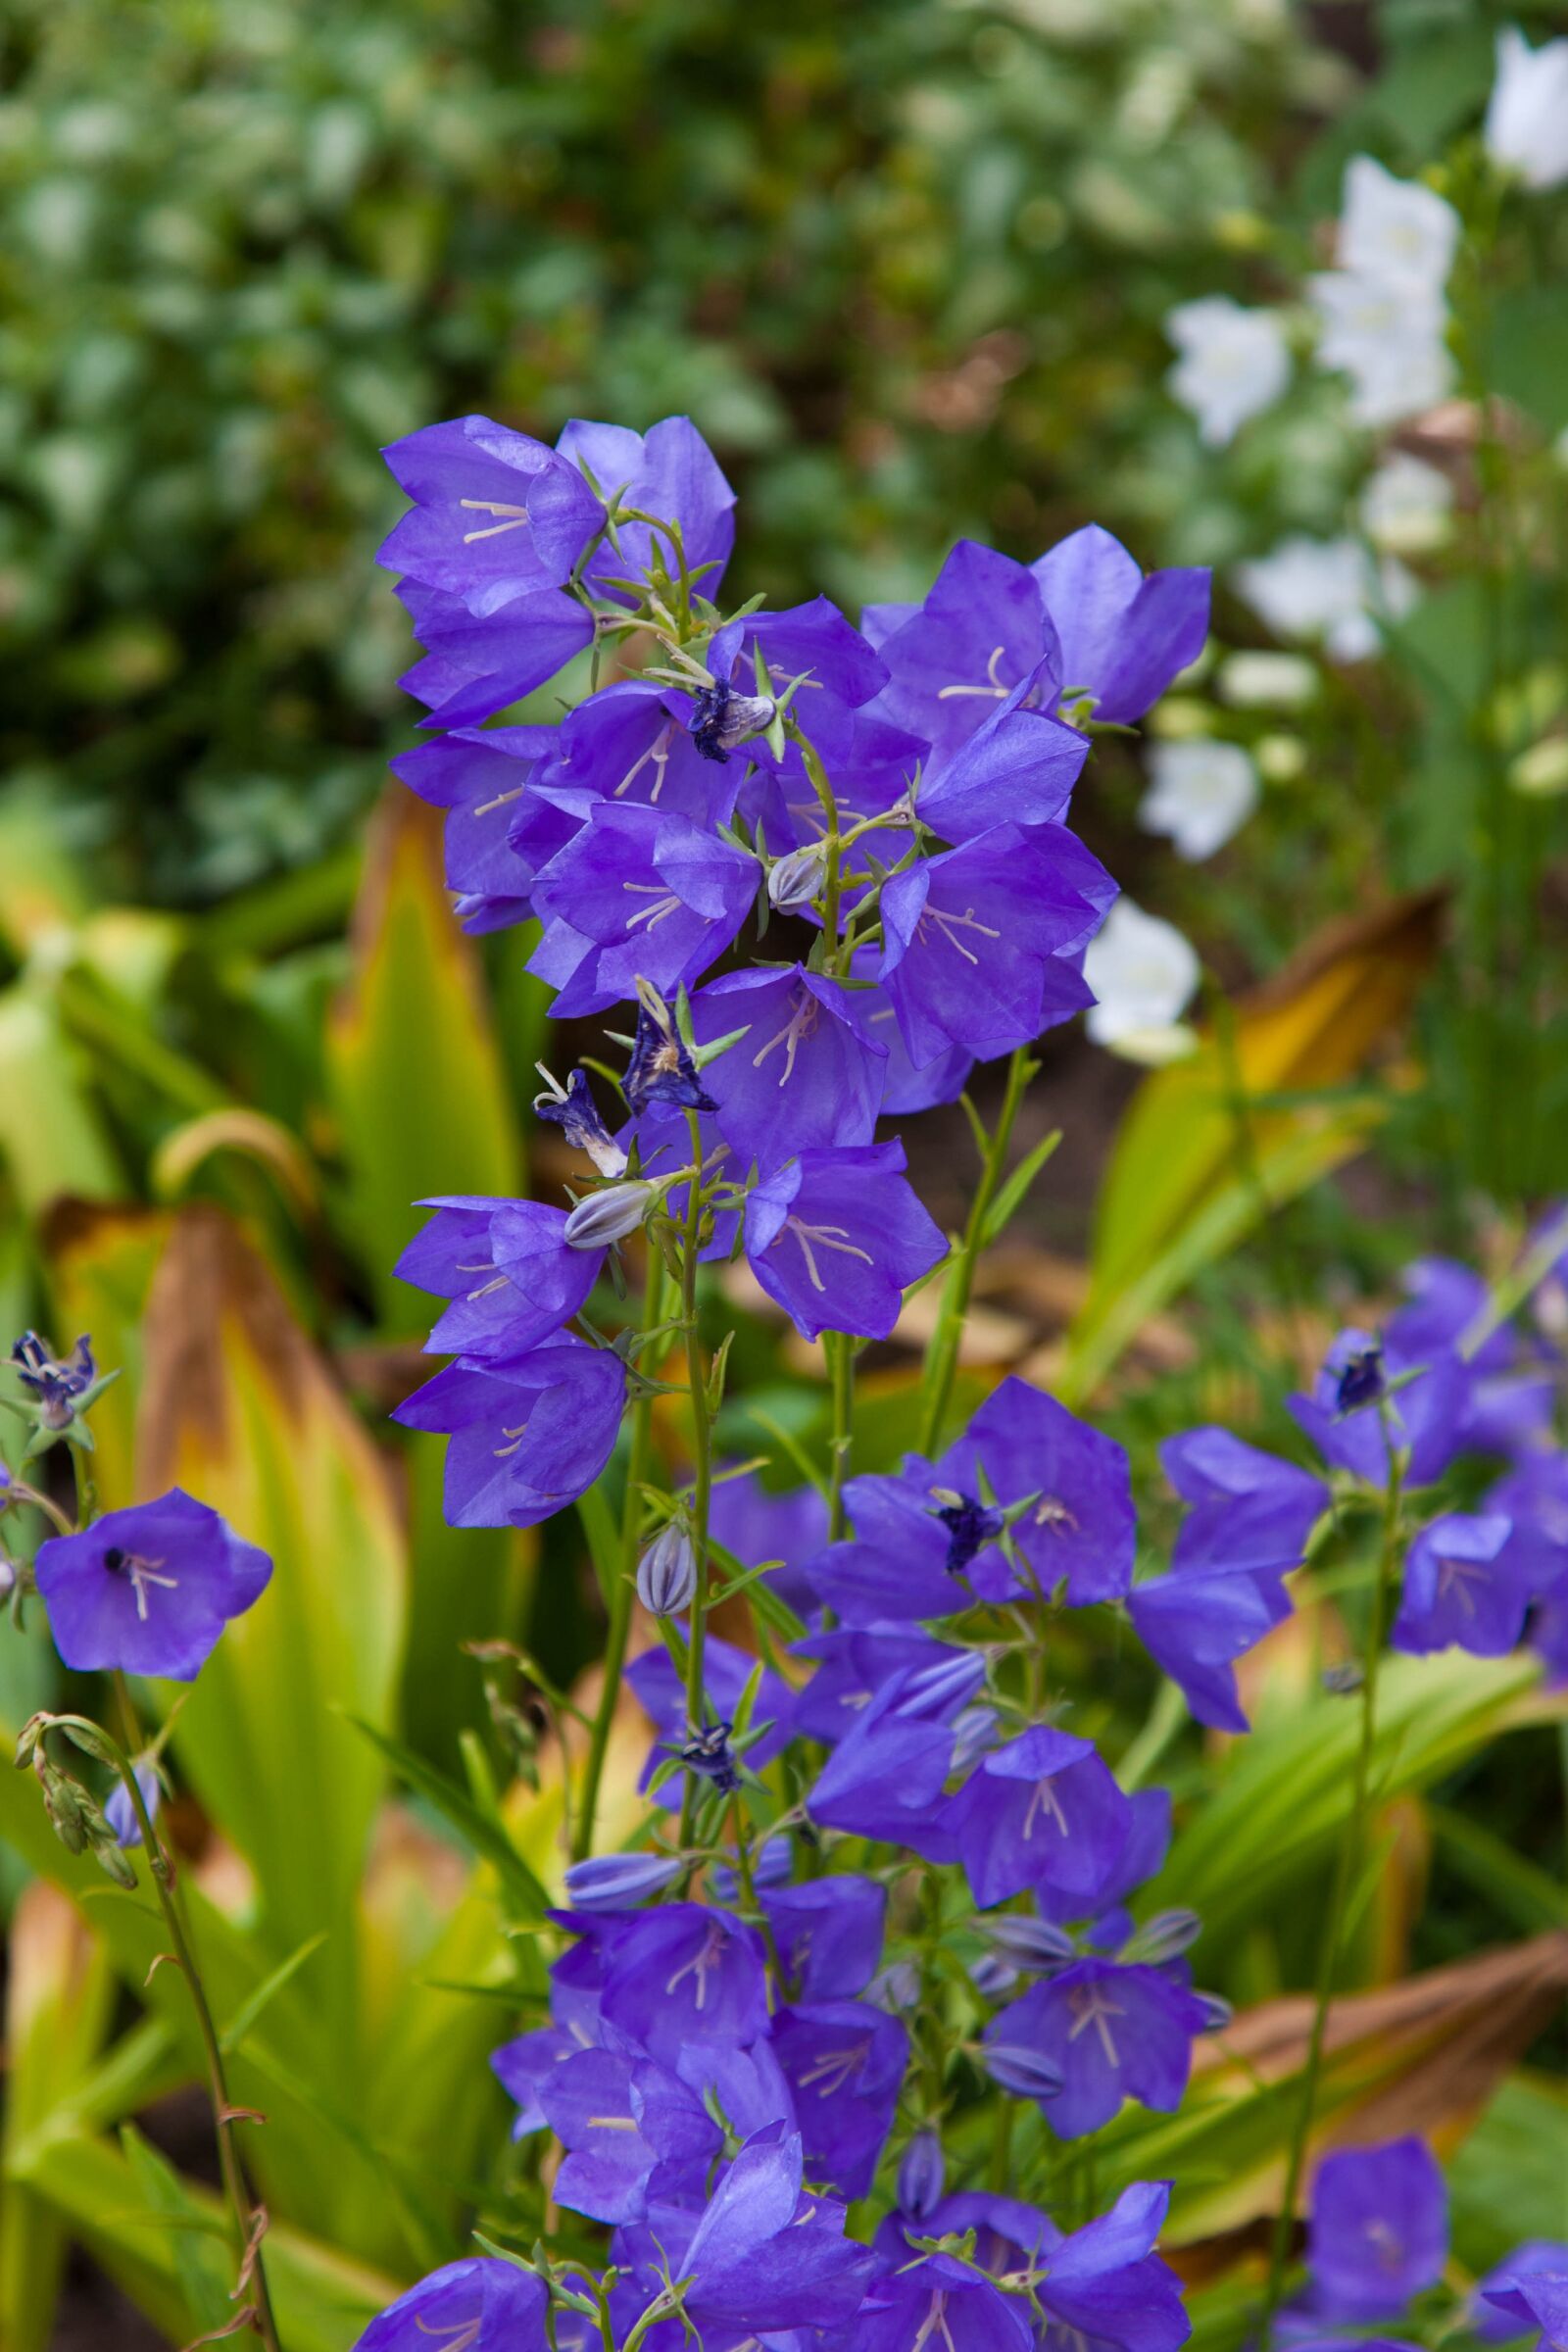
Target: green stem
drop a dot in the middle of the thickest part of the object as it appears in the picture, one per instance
(248, 2217)
(942, 1365)
(840, 1350)
(1346, 1862)
(703, 1465)
(626, 1587)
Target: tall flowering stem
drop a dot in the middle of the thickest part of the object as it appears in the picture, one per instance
(624, 1593)
(248, 2218)
(701, 1465)
(1346, 1862)
(942, 1365)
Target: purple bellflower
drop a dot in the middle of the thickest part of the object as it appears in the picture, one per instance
(974, 942)
(1124, 638)
(473, 668)
(637, 894)
(1352, 1398)
(1018, 768)
(807, 1073)
(148, 1590)
(813, 640)
(828, 1934)
(1379, 2229)
(669, 472)
(1510, 1389)
(495, 514)
(477, 777)
(844, 2062)
(632, 2130)
(940, 2301)
(1142, 1856)
(628, 743)
(1525, 2293)
(1043, 1812)
(482, 2303)
(837, 1237)
(682, 1974)
(527, 1436)
(856, 1660)
(513, 1278)
(726, 1671)
(1082, 1527)
(1462, 1589)
(754, 1524)
(981, 633)
(1111, 2032)
(886, 1775)
(120, 1813)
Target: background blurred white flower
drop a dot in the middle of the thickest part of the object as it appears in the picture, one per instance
(1142, 974)
(1526, 129)
(1234, 363)
(1396, 231)
(1200, 792)
(1328, 590)
(1407, 506)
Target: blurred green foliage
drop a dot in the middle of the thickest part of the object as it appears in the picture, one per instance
(904, 261)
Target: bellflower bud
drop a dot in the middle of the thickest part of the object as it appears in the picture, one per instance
(923, 2177)
(1022, 2071)
(1217, 2012)
(992, 1976)
(794, 880)
(721, 718)
(610, 1215)
(120, 1813)
(1164, 1935)
(1028, 1943)
(615, 1881)
(667, 1573)
(895, 1987)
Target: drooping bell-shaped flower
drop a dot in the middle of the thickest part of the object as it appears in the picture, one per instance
(1111, 2032)
(637, 894)
(837, 1237)
(148, 1590)
(527, 1436)
(1379, 2229)
(970, 935)
(886, 1777)
(482, 2303)
(668, 473)
(807, 1072)
(1123, 637)
(495, 514)
(1042, 1811)
(844, 2062)
(937, 2300)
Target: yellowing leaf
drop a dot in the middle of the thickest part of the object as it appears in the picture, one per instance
(417, 1076)
(101, 1263)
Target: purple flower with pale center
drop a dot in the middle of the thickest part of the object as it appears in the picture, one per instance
(844, 2062)
(506, 1265)
(761, 2258)
(1462, 1589)
(473, 667)
(1018, 768)
(1124, 638)
(637, 894)
(1111, 2032)
(483, 2305)
(1105, 1905)
(527, 1436)
(754, 1524)
(940, 2302)
(1425, 1416)
(478, 775)
(828, 1934)
(981, 633)
(1107, 2284)
(632, 2130)
(870, 778)
(1527, 2291)
(684, 1973)
(974, 940)
(1082, 1527)
(896, 1564)
(148, 1590)
(495, 514)
(1379, 2229)
(845, 672)
(1042, 1811)
(628, 743)
(669, 472)
(837, 1237)
(807, 1072)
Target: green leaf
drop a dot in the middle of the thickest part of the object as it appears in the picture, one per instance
(483, 1831)
(52, 1138)
(246, 2016)
(1012, 1195)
